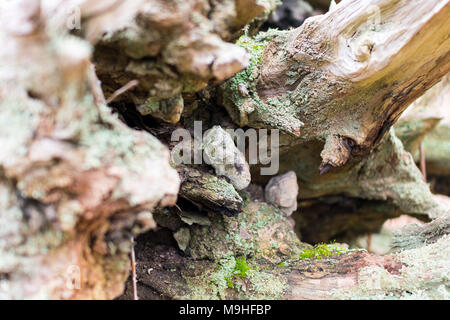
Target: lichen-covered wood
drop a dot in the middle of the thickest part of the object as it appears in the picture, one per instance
(337, 91)
(427, 122)
(79, 179)
(174, 47)
(214, 193)
(417, 270)
(76, 182)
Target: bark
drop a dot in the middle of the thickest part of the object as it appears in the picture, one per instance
(316, 89)
(418, 269)
(173, 47)
(210, 192)
(336, 91)
(424, 122)
(76, 182)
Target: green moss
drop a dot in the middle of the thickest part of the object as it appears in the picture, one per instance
(241, 97)
(223, 277)
(236, 278)
(233, 270)
(229, 281)
(255, 46)
(322, 250)
(241, 267)
(247, 282)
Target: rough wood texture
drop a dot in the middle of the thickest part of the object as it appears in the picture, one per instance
(336, 85)
(209, 192)
(427, 121)
(173, 47)
(75, 182)
(420, 271)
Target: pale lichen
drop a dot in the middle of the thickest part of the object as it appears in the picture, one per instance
(237, 278)
(425, 275)
(251, 232)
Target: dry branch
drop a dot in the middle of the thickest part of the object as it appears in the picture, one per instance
(336, 85)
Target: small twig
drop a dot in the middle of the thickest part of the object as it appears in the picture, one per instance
(369, 243)
(122, 90)
(133, 270)
(94, 85)
(423, 164)
(96, 90)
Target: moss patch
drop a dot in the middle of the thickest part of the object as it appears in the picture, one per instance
(240, 94)
(322, 250)
(251, 232)
(238, 278)
(240, 270)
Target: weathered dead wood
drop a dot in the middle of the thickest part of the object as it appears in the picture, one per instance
(419, 271)
(209, 192)
(171, 47)
(336, 85)
(75, 182)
